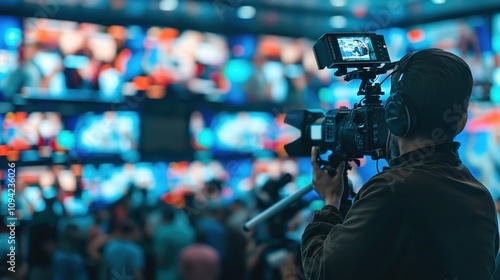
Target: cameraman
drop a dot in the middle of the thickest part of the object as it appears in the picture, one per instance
(423, 217)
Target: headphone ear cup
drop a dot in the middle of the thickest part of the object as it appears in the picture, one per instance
(400, 116)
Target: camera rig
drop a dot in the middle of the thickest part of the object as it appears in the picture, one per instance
(346, 134)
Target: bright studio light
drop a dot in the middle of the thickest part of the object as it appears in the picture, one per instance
(168, 5)
(338, 22)
(338, 3)
(246, 12)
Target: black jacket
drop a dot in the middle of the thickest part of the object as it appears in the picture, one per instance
(425, 217)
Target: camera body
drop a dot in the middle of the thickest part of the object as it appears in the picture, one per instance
(353, 133)
(348, 134)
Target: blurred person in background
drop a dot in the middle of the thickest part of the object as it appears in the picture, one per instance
(67, 263)
(122, 256)
(42, 236)
(170, 237)
(257, 87)
(238, 214)
(211, 228)
(234, 264)
(199, 262)
(97, 237)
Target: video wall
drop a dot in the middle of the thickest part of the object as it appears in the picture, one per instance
(187, 140)
(10, 41)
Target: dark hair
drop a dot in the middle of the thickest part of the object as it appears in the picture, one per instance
(167, 212)
(70, 239)
(127, 228)
(214, 186)
(439, 84)
(239, 201)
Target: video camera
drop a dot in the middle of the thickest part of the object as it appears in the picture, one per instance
(349, 134)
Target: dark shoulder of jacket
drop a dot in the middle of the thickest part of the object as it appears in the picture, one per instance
(386, 180)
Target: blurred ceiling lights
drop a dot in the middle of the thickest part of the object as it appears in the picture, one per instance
(338, 3)
(338, 21)
(246, 12)
(168, 5)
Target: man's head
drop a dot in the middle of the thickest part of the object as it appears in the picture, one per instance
(71, 237)
(357, 42)
(129, 231)
(167, 213)
(437, 86)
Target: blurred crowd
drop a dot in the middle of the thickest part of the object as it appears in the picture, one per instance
(186, 235)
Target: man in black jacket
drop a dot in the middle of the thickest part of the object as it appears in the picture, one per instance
(423, 217)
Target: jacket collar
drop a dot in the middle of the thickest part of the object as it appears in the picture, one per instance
(445, 152)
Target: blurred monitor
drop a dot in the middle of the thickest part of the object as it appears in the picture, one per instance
(108, 183)
(80, 189)
(181, 64)
(241, 133)
(10, 41)
(267, 69)
(469, 38)
(193, 175)
(55, 189)
(74, 61)
(480, 145)
(32, 136)
(108, 133)
(232, 132)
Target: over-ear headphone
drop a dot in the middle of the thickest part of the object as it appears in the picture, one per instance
(400, 112)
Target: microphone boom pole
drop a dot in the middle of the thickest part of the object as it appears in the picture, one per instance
(277, 207)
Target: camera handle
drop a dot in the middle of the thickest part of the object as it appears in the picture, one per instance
(283, 204)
